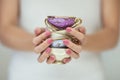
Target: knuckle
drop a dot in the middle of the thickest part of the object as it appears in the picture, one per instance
(45, 55)
(36, 50)
(34, 41)
(73, 32)
(40, 60)
(79, 49)
(48, 62)
(70, 44)
(82, 36)
(77, 56)
(83, 40)
(42, 36)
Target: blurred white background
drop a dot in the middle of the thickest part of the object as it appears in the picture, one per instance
(111, 60)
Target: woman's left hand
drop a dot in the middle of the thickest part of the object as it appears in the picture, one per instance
(74, 49)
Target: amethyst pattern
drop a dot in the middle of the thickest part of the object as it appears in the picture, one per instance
(61, 22)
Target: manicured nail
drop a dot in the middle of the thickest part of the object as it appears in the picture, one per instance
(68, 29)
(66, 42)
(49, 41)
(37, 31)
(68, 51)
(82, 30)
(47, 33)
(48, 50)
(66, 60)
(52, 58)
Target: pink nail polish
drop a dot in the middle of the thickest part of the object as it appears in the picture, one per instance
(68, 51)
(66, 60)
(52, 58)
(37, 31)
(47, 50)
(68, 29)
(66, 42)
(49, 41)
(47, 33)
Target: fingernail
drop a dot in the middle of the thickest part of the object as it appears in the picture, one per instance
(68, 29)
(47, 50)
(66, 42)
(49, 41)
(82, 29)
(37, 31)
(52, 58)
(66, 60)
(47, 33)
(68, 51)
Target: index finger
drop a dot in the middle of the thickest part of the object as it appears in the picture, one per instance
(38, 31)
(81, 29)
(76, 33)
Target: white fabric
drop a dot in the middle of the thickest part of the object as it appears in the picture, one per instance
(24, 65)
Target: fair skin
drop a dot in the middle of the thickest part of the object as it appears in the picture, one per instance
(15, 37)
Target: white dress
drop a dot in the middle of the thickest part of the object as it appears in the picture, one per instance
(24, 65)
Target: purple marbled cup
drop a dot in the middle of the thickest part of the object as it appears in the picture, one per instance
(57, 24)
(61, 22)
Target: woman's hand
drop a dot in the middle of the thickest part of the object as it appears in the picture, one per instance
(74, 49)
(42, 43)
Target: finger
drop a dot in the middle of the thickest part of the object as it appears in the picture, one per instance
(71, 45)
(66, 60)
(72, 54)
(38, 31)
(41, 37)
(51, 59)
(40, 48)
(76, 33)
(81, 29)
(44, 55)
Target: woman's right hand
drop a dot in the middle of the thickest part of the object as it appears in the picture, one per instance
(42, 41)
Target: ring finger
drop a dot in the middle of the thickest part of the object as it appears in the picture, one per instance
(41, 37)
(72, 54)
(40, 48)
(44, 55)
